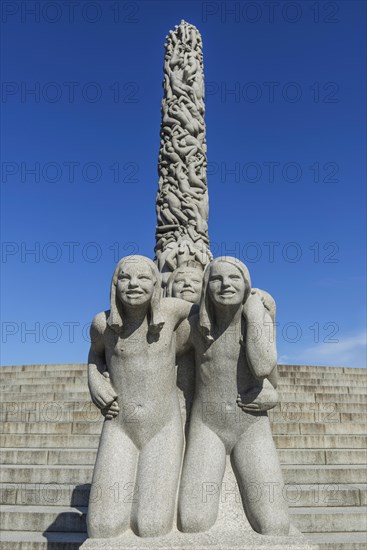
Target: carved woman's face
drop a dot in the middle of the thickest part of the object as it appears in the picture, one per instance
(187, 285)
(226, 284)
(135, 284)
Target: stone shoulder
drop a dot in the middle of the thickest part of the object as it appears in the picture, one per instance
(173, 304)
(99, 322)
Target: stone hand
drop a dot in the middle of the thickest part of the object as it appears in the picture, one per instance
(111, 411)
(254, 304)
(261, 397)
(248, 407)
(101, 390)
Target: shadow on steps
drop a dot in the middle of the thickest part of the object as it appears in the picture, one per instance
(68, 531)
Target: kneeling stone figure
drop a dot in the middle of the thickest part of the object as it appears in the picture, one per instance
(235, 351)
(136, 474)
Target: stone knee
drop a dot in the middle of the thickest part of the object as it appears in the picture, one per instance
(190, 523)
(150, 524)
(196, 517)
(276, 524)
(106, 523)
(98, 529)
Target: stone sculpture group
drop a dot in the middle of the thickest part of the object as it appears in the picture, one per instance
(142, 441)
(183, 365)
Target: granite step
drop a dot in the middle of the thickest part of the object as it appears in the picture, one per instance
(55, 428)
(70, 378)
(281, 368)
(284, 390)
(328, 473)
(82, 374)
(322, 456)
(326, 519)
(47, 456)
(28, 456)
(30, 540)
(51, 388)
(43, 367)
(327, 395)
(84, 410)
(341, 398)
(69, 494)
(83, 395)
(80, 377)
(45, 441)
(42, 518)
(48, 494)
(91, 441)
(339, 541)
(55, 474)
(49, 396)
(81, 473)
(297, 382)
(321, 371)
(308, 428)
(73, 519)
(321, 408)
(288, 406)
(319, 375)
(291, 415)
(320, 441)
(53, 411)
(42, 376)
(358, 389)
(346, 456)
(95, 427)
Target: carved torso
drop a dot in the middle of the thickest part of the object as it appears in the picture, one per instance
(140, 364)
(222, 373)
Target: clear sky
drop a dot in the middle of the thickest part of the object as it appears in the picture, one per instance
(285, 116)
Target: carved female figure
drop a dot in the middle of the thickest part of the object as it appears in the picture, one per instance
(234, 350)
(137, 468)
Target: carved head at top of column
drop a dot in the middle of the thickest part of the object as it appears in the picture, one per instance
(186, 283)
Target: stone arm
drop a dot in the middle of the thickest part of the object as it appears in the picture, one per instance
(184, 336)
(269, 304)
(182, 309)
(260, 344)
(181, 312)
(100, 387)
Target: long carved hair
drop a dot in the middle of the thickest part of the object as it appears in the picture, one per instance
(155, 319)
(206, 312)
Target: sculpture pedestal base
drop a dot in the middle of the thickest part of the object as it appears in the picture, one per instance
(231, 531)
(214, 539)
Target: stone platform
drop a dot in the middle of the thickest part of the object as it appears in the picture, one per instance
(231, 531)
(212, 540)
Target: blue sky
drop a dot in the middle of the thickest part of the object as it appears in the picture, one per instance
(285, 120)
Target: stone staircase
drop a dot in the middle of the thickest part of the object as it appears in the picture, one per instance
(50, 432)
